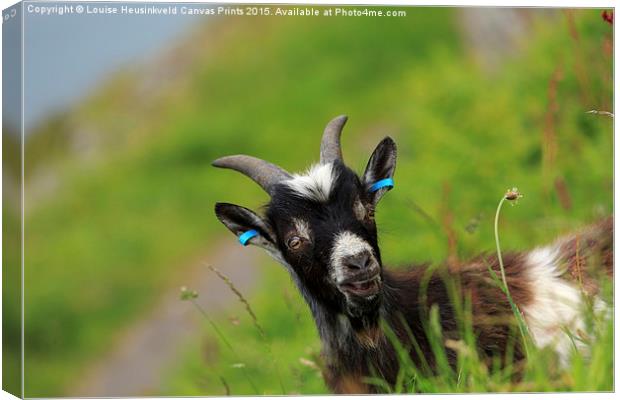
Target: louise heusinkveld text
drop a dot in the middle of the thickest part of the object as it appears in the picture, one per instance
(198, 9)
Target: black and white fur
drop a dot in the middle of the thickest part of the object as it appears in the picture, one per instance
(320, 225)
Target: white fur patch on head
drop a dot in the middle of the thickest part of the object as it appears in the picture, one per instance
(302, 228)
(316, 183)
(556, 305)
(347, 244)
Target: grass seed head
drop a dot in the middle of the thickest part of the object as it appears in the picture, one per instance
(513, 194)
(188, 294)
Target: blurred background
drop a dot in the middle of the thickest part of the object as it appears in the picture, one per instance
(125, 113)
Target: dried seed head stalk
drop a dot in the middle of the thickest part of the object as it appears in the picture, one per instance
(241, 298)
(513, 194)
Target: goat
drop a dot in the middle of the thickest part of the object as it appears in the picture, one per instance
(320, 225)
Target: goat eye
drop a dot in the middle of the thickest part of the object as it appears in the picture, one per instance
(294, 243)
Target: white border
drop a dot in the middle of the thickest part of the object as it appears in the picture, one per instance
(507, 3)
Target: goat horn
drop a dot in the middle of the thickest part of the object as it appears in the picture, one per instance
(330, 144)
(266, 174)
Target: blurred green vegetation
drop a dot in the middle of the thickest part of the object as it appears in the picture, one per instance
(207, 366)
(118, 230)
(11, 266)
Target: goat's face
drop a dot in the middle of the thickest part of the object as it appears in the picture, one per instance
(321, 226)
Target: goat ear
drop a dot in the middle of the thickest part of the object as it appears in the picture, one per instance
(240, 220)
(381, 165)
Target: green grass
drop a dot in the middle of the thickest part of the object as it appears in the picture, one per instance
(121, 226)
(291, 337)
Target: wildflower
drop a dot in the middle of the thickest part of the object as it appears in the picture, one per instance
(513, 194)
(608, 16)
(188, 294)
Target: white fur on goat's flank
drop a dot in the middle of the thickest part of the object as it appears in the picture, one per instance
(316, 183)
(556, 306)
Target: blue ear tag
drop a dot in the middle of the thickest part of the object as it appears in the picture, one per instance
(246, 236)
(387, 182)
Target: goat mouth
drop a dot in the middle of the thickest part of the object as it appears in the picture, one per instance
(362, 288)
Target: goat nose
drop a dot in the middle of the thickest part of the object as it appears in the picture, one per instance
(358, 261)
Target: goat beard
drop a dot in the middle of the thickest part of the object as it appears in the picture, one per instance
(363, 308)
(366, 326)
